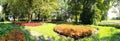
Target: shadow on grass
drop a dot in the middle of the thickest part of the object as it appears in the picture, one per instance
(42, 38)
(61, 22)
(114, 37)
(111, 25)
(5, 28)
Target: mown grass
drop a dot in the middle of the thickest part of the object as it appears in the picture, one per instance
(5, 22)
(105, 33)
(45, 29)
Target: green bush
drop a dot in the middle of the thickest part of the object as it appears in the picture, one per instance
(5, 28)
(90, 16)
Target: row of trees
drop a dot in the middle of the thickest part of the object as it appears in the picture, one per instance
(84, 11)
(30, 9)
(90, 11)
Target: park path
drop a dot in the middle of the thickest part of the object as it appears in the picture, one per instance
(39, 37)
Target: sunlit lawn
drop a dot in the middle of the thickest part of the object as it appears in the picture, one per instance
(45, 29)
(5, 22)
(105, 33)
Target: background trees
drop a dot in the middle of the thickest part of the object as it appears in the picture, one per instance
(45, 8)
(15, 8)
(98, 9)
(84, 11)
(91, 11)
(75, 8)
(28, 8)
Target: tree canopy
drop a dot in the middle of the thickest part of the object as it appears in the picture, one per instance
(26, 8)
(83, 11)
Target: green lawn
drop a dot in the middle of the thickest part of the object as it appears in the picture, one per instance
(105, 33)
(46, 29)
(5, 22)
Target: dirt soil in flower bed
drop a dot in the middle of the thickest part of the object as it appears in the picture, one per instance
(74, 31)
(14, 35)
(27, 23)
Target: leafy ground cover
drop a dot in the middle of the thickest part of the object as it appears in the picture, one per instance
(14, 35)
(7, 28)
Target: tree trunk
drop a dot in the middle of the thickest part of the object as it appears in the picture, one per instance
(30, 10)
(76, 19)
(42, 19)
(13, 18)
(30, 18)
(38, 17)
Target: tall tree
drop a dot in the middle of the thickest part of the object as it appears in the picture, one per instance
(93, 10)
(87, 14)
(16, 8)
(104, 6)
(45, 7)
(74, 8)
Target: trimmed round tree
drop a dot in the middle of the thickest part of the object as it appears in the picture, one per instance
(90, 15)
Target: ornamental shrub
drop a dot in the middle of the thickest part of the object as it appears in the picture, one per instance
(90, 15)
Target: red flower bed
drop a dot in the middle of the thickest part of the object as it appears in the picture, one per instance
(74, 31)
(15, 35)
(27, 24)
(19, 23)
(31, 24)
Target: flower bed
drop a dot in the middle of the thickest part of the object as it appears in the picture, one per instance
(19, 23)
(14, 35)
(31, 24)
(74, 31)
(27, 24)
